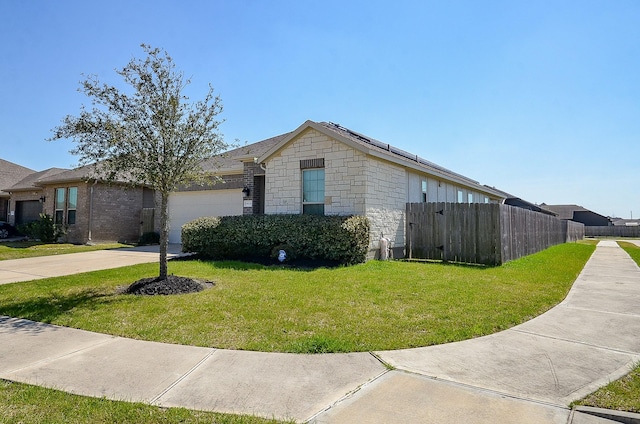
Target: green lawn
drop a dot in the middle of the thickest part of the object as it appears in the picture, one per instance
(29, 249)
(25, 404)
(622, 394)
(372, 306)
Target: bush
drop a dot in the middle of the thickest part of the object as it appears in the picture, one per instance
(44, 229)
(344, 239)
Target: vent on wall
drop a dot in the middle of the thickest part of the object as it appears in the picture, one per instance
(311, 163)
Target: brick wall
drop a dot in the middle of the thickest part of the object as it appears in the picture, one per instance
(113, 215)
(116, 213)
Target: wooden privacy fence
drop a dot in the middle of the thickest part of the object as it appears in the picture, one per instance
(612, 231)
(482, 233)
(147, 223)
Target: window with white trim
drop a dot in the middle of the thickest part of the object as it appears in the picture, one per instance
(424, 191)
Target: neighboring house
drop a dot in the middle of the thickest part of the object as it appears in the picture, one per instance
(88, 209)
(10, 174)
(95, 211)
(512, 200)
(324, 168)
(578, 214)
(27, 198)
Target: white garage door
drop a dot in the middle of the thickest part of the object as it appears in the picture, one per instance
(188, 205)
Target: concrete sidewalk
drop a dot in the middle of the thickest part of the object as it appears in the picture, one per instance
(16, 270)
(527, 374)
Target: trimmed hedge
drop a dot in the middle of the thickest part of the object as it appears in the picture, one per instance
(344, 239)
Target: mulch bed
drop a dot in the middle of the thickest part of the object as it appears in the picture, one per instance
(173, 284)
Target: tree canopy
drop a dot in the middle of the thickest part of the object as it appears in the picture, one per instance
(149, 134)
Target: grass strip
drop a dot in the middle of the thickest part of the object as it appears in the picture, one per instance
(30, 249)
(372, 306)
(26, 404)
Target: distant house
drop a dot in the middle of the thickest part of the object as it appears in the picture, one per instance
(10, 174)
(324, 168)
(511, 200)
(619, 222)
(578, 214)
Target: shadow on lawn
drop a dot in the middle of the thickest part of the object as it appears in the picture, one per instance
(48, 309)
(259, 263)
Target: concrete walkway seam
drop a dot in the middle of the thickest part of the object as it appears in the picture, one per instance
(182, 377)
(349, 394)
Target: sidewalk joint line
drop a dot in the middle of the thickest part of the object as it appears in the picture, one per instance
(484, 389)
(182, 377)
(610, 349)
(625, 314)
(347, 395)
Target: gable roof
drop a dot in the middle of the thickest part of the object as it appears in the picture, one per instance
(231, 161)
(32, 181)
(11, 173)
(567, 211)
(375, 148)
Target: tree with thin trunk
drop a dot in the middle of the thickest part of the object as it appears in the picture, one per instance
(150, 134)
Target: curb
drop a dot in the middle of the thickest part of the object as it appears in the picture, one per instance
(615, 416)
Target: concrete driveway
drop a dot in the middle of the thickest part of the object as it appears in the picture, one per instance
(15, 270)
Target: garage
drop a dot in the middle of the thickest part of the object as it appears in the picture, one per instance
(185, 206)
(28, 211)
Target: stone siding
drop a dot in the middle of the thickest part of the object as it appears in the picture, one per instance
(345, 182)
(355, 184)
(386, 204)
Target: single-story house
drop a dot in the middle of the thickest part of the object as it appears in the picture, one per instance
(319, 168)
(26, 201)
(578, 214)
(325, 168)
(10, 174)
(89, 210)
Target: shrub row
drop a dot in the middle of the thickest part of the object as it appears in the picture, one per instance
(44, 229)
(344, 239)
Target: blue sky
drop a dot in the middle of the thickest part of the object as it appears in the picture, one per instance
(537, 98)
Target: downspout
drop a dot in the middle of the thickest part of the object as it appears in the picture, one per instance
(89, 241)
